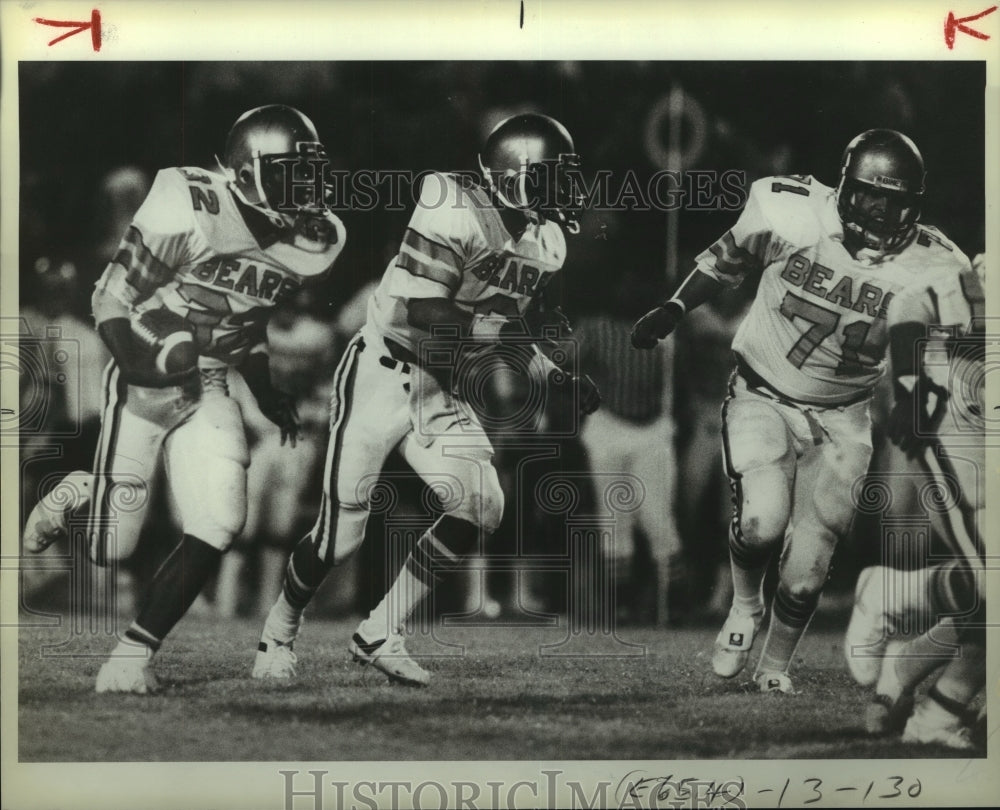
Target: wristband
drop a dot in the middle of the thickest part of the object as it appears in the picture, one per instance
(679, 303)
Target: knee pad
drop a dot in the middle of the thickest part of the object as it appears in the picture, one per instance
(115, 522)
(760, 464)
(344, 536)
(763, 506)
(482, 508)
(206, 461)
(832, 503)
(216, 517)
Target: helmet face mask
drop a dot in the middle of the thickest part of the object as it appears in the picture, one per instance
(529, 164)
(881, 186)
(275, 163)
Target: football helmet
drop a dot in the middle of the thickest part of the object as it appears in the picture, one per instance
(529, 163)
(880, 190)
(275, 163)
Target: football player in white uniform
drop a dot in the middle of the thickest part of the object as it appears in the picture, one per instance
(938, 420)
(207, 257)
(797, 429)
(469, 273)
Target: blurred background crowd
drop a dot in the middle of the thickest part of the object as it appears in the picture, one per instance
(92, 136)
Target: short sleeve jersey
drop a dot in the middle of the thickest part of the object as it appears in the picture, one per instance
(456, 247)
(817, 329)
(190, 249)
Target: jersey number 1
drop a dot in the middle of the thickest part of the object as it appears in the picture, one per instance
(823, 323)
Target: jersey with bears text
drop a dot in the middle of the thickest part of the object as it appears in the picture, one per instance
(817, 329)
(191, 250)
(456, 247)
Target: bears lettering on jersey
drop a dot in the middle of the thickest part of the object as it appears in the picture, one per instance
(242, 276)
(457, 247)
(503, 270)
(816, 330)
(814, 278)
(193, 250)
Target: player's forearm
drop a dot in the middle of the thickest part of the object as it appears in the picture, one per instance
(425, 313)
(695, 290)
(256, 371)
(116, 332)
(906, 349)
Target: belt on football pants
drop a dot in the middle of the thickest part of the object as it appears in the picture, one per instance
(755, 381)
(398, 357)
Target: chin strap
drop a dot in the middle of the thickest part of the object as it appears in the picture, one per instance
(263, 207)
(495, 188)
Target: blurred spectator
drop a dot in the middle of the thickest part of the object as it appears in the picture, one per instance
(704, 364)
(633, 433)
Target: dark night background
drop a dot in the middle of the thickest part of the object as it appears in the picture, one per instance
(81, 120)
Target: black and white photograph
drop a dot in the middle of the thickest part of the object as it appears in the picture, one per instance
(559, 425)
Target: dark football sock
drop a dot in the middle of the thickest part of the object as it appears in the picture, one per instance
(304, 574)
(176, 584)
(442, 548)
(789, 619)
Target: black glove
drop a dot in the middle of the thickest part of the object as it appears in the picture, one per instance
(275, 404)
(135, 364)
(280, 408)
(588, 395)
(911, 425)
(656, 325)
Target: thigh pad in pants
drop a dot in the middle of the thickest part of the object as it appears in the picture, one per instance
(207, 457)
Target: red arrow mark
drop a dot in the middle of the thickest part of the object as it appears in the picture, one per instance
(94, 25)
(952, 24)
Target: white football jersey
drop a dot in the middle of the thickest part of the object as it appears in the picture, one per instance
(456, 247)
(953, 307)
(817, 329)
(191, 250)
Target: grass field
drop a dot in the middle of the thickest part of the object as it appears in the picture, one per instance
(496, 699)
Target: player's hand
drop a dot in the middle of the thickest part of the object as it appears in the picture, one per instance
(656, 325)
(911, 422)
(279, 407)
(588, 397)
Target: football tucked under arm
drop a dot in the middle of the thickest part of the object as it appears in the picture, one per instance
(168, 339)
(138, 348)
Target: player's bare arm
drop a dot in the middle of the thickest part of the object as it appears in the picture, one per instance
(277, 405)
(656, 324)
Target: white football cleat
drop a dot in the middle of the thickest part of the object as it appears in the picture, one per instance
(922, 729)
(389, 655)
(774, 682)
(47, 522)
(869, 628)
(892, 704)
(275, 660)
(125, 674)
(733, 644)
